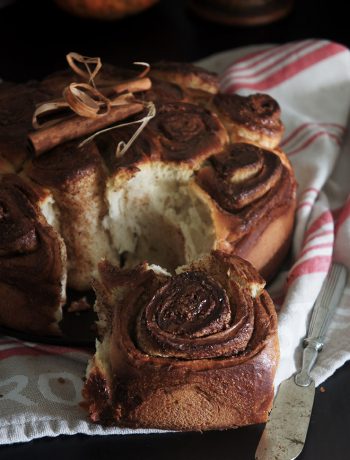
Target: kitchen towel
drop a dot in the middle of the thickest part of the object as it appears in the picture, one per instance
(40, 385)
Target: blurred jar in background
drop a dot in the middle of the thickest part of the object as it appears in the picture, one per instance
(242, 12)
(104, 9)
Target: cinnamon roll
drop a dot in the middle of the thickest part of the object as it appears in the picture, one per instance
(254, 118)
(193, 351)
(32, 262)
(76, 180)
(251, 194)
(187, 133)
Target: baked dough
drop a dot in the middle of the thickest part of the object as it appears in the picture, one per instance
(205, 174)
(194, 351)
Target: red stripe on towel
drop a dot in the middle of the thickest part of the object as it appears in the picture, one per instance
(291, 70)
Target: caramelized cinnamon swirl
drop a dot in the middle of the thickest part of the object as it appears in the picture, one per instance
(32, 262)
(193, 351)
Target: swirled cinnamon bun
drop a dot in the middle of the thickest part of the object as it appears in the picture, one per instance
(187, 133)
(32, 262)
(194, 351)
(251, 194)
(254, 118)
(76, 180)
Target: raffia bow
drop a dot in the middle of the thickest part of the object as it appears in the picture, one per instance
(111, 102)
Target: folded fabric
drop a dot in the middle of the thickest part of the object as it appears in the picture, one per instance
(40, 385)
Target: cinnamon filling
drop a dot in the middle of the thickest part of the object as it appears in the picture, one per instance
(242, 175)
(194, 317)
(259, 112)
(191, 305)
(187, 132)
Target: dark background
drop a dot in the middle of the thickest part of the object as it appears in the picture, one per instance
(34, 38)
(35, 35)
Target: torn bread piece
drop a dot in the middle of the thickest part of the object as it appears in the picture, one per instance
(194, 351)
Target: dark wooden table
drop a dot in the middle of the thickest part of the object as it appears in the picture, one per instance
(34, 37)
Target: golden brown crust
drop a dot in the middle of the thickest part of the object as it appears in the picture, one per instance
(242, 175)
(32, 262)
(215, 370)
(252, 197)
(254, 118)
(64, 165)
(267, 246)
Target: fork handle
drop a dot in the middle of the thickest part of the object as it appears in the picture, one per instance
(322, 313)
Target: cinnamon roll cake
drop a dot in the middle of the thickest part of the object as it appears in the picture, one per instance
(254, 118)
(206, 173)
(196, 350)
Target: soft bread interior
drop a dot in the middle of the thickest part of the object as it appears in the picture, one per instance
(50, 211)
(155, 216)
(48, 208)
(106, 300)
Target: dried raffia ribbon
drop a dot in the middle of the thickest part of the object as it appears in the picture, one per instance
(122, 147)
(74, 58)
(85, 109)
(140, 79)
(86, 101)
(146, 69)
